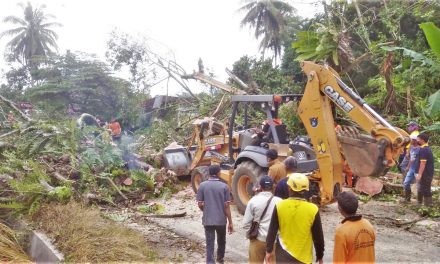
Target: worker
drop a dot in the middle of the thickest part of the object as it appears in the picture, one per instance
(413, 129)
(425, 171)
(282, 189)
(276, 120)
(411, 168)
(355, 236)
(277, 170)
(115, 128)
(213, 199)
(265, 202)
(298, 223)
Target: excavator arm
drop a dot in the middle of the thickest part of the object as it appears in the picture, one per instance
(368, 154)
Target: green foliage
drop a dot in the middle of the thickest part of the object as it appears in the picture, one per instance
(102, 156)
(156, 137)
(317, 45)
(415, 56)
(268, 18)
(364, 198)
(434, 104)
(33, 38)
(142, 180)
(291, 119)
(432, 34)
(28, 190)
(126, 51)
(61, 193)
(263, 75)
(80, 80)
(151, 208)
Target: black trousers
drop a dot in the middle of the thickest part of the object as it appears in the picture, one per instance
(425, 186)
(210, 232)
(283, 256)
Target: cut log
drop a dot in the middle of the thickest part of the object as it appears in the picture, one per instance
(61, 178)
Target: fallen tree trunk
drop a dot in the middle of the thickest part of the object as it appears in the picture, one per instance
(162, 215)
(12, 105)
(9, 133)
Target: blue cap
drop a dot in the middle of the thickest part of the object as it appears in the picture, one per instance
(266, 182)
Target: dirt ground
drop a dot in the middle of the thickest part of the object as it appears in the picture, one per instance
(400, 237)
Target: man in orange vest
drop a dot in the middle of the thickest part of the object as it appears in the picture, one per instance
(115, 128)
(355, 237)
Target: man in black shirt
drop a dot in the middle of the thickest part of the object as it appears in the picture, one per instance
(425, 171)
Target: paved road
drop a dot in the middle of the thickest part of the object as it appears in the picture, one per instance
(393, 244)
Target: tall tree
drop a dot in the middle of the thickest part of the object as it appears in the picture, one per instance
(33, 37)
(268, 17)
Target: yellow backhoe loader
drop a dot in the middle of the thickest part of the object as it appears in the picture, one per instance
(369, 149)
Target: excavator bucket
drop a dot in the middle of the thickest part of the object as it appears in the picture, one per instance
(176, 158)
(364, 155)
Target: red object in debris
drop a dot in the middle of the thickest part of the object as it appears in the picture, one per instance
(25, 105)
(128, 182)
(369, 186)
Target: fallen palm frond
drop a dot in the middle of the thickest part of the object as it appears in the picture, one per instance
(84, 236)
(10, 249)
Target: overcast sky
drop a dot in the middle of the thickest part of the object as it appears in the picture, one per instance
(209, 29)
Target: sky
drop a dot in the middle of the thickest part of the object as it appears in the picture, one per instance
(188, 29)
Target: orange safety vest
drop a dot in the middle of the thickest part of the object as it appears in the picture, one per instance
(115, 128)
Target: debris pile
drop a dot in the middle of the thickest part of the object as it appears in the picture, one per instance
(57, 161)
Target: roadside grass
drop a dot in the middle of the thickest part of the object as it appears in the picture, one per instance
(10, 249)
(83, 235)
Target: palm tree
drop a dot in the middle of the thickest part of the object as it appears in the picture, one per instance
(268, 17)
(33, 36)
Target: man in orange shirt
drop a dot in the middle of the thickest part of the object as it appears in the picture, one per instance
(115, 128)
(355, 237)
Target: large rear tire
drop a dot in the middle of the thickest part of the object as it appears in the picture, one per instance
(199, 175)
(246, 176)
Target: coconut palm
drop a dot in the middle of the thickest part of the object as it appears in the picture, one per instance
(268, 17)
(33, 36)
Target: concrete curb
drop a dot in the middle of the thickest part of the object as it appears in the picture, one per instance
(41, 249)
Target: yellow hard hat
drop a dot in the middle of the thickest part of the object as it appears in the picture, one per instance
(298, 182)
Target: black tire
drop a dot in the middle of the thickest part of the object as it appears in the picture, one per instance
(246, 176)
(199, 175)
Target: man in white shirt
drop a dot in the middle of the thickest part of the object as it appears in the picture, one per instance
(254, 210)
